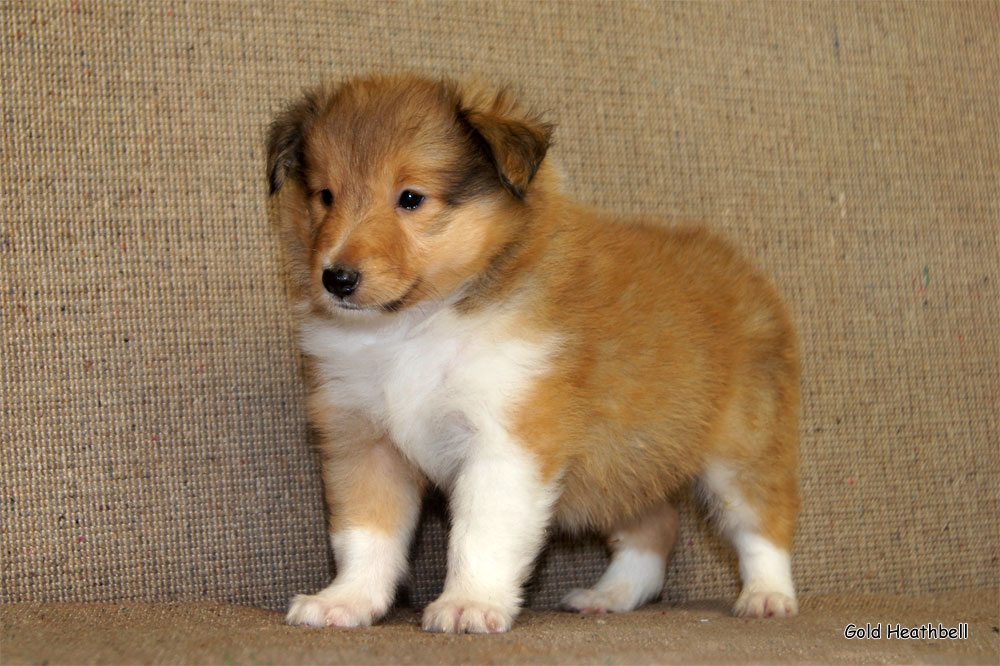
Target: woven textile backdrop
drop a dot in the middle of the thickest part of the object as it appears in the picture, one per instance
(154, 444)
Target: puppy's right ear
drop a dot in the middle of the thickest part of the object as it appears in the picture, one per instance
(285, 138)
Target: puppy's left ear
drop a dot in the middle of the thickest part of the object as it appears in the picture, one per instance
(516, 141)
(285, 141)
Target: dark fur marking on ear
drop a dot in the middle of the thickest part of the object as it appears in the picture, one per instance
(515, 144)
(285, 138)
(521, 150)
(475, 174)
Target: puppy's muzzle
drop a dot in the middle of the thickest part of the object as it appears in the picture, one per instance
(340, 280)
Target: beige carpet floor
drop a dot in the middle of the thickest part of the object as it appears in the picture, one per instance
(209, 633)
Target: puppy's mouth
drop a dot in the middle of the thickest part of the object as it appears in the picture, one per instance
(389, 306)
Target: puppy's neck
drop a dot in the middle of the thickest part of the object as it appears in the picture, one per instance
(513, 262)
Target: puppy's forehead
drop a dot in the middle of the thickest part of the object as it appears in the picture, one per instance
(366, 124)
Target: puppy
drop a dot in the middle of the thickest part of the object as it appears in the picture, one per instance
(467, 324)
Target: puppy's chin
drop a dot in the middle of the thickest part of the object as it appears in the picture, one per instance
(347, 310)
(352, 311)
(358, 307)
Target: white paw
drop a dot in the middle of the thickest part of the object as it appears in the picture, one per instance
(458, 616)
(617, 599)
(764, 603)
(317, 610)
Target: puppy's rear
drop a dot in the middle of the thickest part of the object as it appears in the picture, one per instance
(469, 325)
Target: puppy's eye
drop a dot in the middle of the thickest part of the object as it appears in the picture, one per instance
(326, 196)
(410, 200)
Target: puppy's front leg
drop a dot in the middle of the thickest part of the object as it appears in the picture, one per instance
(500, 507)
(373, 495)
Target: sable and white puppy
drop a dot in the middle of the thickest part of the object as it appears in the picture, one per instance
(468, 324)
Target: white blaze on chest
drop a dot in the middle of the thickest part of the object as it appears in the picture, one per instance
(438, 384)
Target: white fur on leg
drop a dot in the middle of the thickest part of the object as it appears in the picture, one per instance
(499, 513)
(633, 578)
(766, 571)
(369, 564)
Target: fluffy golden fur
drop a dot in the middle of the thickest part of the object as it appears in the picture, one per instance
(630, 358)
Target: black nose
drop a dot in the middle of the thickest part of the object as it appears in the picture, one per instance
(341, 281)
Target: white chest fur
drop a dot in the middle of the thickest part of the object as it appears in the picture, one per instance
(441, 385)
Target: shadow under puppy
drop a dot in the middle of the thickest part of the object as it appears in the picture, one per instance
(469, 325)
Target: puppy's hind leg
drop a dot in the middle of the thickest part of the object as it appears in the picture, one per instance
(759, 526)
(639, 551)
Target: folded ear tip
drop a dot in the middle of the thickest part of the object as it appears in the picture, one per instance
(517, 138)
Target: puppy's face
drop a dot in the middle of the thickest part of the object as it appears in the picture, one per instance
(398, 190)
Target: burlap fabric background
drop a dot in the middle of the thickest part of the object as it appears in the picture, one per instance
(154, 443)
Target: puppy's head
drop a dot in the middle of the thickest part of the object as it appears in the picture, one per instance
(397, 190)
